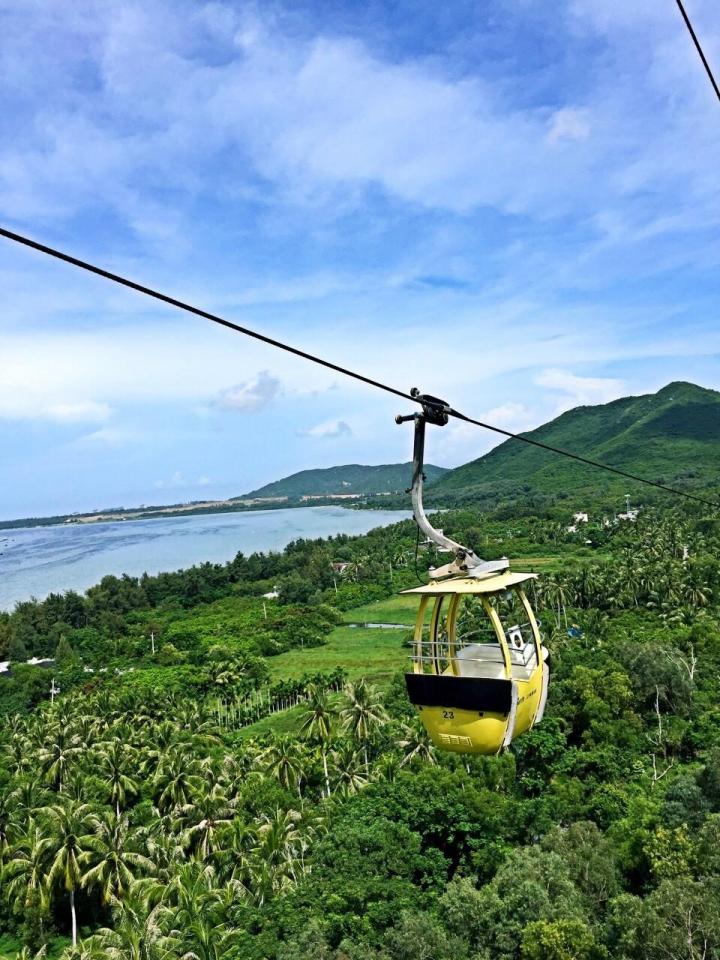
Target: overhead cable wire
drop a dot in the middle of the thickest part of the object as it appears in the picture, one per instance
(699, 49)
(345, 371)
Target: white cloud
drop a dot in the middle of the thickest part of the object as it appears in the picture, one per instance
(110, 436)
(321, 118)
(459, 442)
(252, 395)
(329, 429)
(580, 391)
(41, 407)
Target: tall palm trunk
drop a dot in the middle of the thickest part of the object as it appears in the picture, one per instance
(74, 918)
(325, 768)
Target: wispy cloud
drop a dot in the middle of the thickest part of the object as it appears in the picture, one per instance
(579, 391)
(329, 429)
(518, 231)
(252, 395)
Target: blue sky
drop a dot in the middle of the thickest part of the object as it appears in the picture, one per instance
(512, 204)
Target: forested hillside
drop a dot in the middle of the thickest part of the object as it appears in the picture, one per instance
(672, 436)
(193, 803)
(350, 478)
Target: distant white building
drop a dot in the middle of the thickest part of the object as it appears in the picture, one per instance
(572, 529)
(580, 517)
(631, 515)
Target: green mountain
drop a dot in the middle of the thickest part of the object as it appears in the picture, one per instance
(672, 436)
(350, 478)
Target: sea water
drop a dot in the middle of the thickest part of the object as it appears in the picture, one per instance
(36, 561)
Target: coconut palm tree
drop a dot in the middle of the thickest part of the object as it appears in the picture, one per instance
(204, 938)
(24, 875)
(10, 823)
(363, 715)
(137, 934)
(27, 954)
(114, 763)
(201, 818)
(278, 838)
(347, 770)
(66, 843)
(59, 757)
(316, 725)
(175, 780)
(235, 850)
(284, 761)
(111, 860)
(415, 745)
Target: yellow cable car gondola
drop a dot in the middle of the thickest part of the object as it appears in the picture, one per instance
(480, 671)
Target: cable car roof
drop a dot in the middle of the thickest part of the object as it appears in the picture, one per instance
(493, 584)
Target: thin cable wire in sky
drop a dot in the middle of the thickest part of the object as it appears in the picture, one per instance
(699, 49)
(345, 371)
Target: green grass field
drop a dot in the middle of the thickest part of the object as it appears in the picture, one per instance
(361, 652)
(286, 721)
(397, 609)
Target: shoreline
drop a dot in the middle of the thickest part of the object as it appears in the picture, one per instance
(200, 508)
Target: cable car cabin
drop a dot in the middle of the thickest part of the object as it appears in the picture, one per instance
(480, 672)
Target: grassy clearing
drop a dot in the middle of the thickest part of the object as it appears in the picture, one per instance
(362, 652)
(538, 564)
(397, 609)
(286, 721)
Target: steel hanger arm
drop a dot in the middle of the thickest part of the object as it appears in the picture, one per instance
(466, 562)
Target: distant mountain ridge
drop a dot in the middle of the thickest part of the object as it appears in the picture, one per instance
(672, 436)
(352, 478)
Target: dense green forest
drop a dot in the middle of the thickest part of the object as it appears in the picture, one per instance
(672, 436)
(349, 478)
(160, 808)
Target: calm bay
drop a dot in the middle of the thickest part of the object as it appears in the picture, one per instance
(36, 561)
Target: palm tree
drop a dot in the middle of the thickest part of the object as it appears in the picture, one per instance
(27, 797)
(316, 725)
(113, 862)
(187, 895)
(114, 765)
(66, 844)
(27, 954)
(363, 716)
(137, 934)
(284, 762)
(204, 938)
(203, 816)
(235, 849)
(346, 771)
(10, 822)
(175, 780)
(278, 836)
(57, 759)
(416, 745)
(24, 875)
